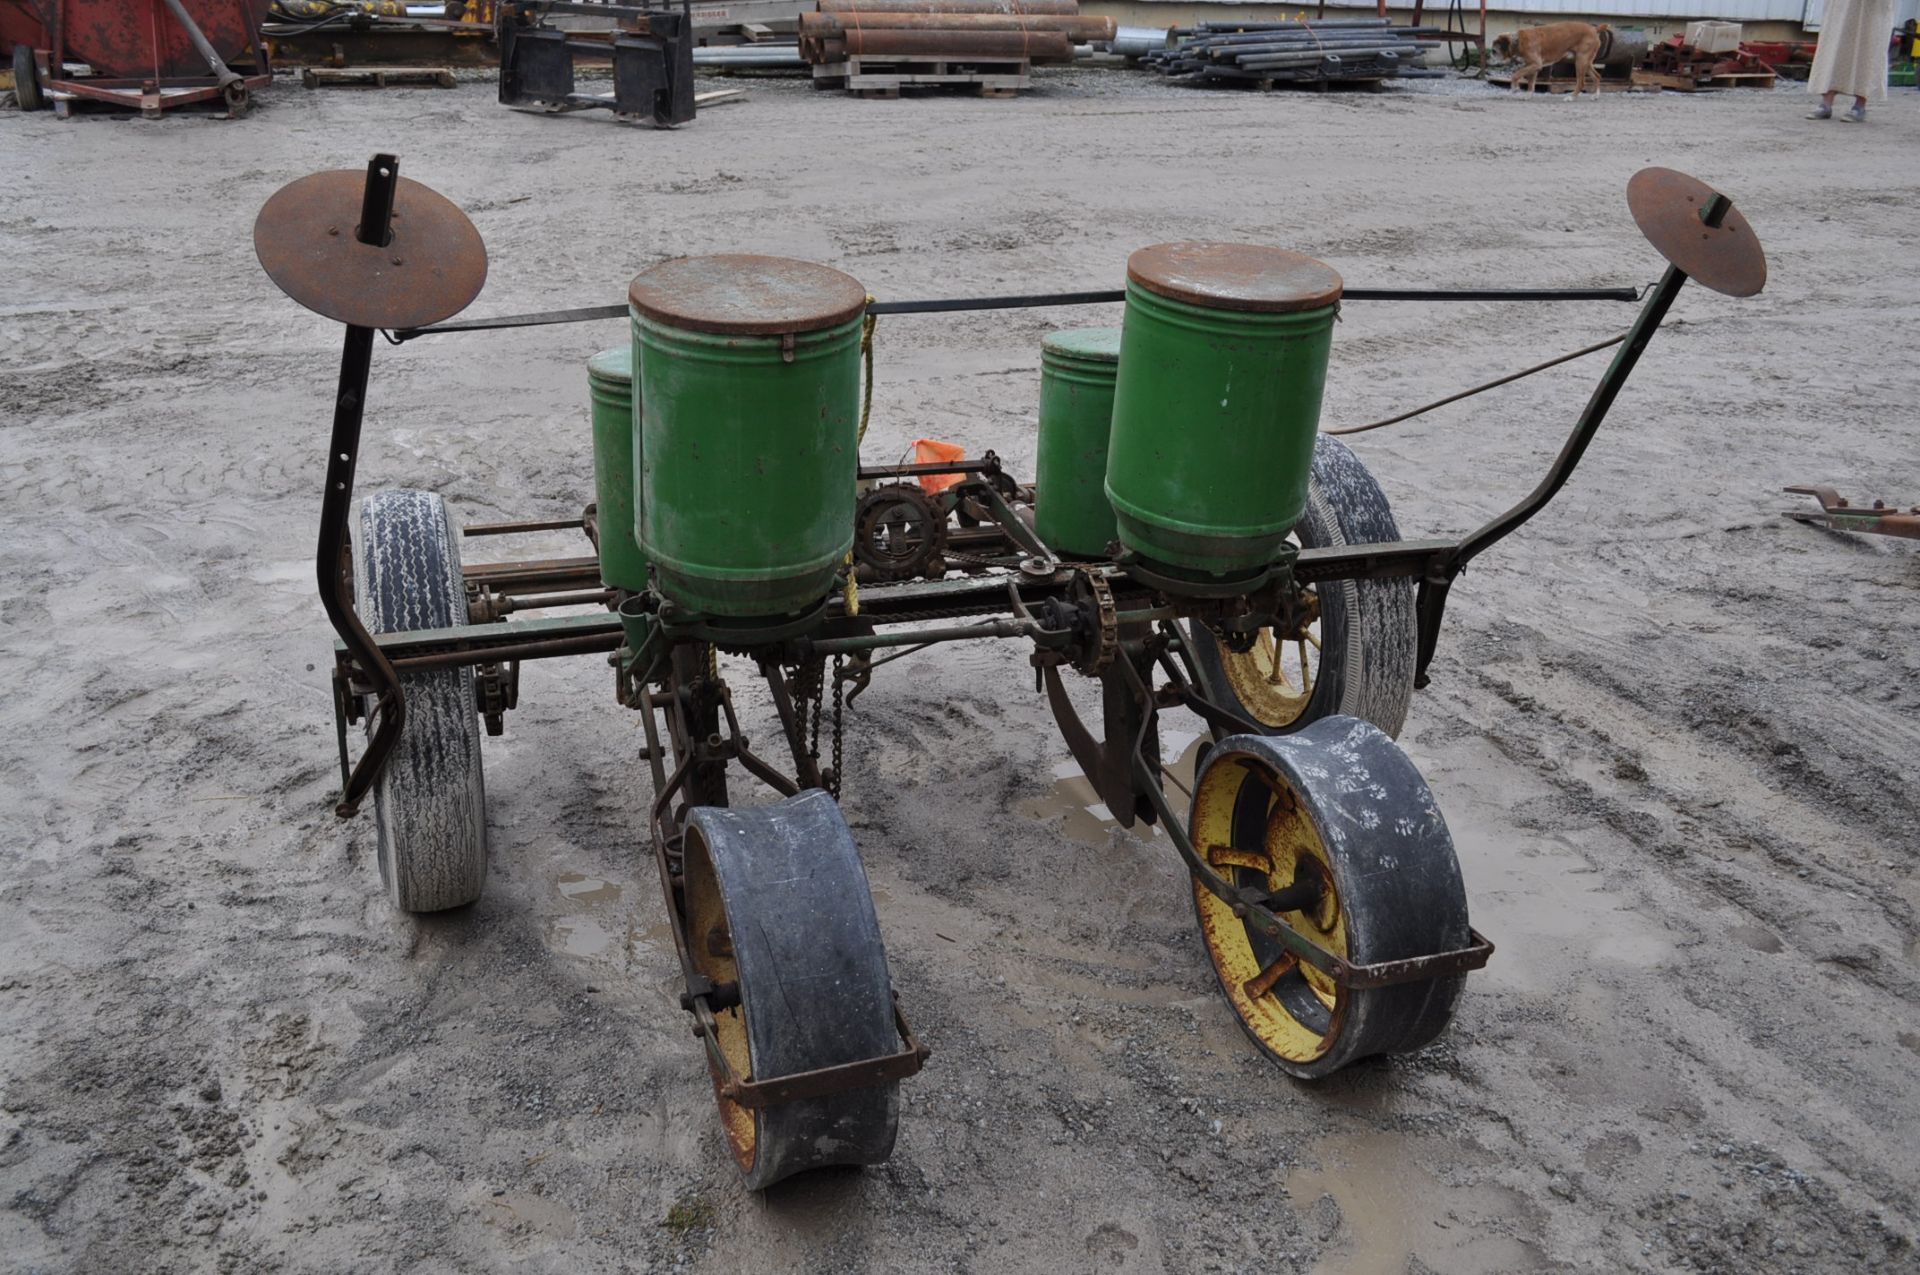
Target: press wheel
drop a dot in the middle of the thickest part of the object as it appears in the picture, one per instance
(777, 903)
(1355, 655)
(1337, 804)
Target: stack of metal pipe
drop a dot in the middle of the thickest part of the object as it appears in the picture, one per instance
(749, 57)
(983, 30)
(1341, 49)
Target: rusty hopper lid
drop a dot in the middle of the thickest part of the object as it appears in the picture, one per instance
(733, 294)
(430, 268)
(1235, 276)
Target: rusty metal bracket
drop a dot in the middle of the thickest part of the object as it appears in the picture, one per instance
(1838, 514)
(866, 1073)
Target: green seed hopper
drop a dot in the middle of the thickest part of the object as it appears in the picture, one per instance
(1194, 541)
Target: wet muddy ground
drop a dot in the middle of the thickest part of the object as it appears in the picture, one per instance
(1672, 731)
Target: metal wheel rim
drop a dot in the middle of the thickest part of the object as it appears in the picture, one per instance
(710, 943)
(1294, 1010)
(1260, 678)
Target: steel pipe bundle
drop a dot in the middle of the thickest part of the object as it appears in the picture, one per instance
(1003, 46)
(1137, 42)
(829, 26)
(1303, 52)
(941, 30)
(951, 6)
(740, 57)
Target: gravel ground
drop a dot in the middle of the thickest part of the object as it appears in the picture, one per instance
(1672, 730)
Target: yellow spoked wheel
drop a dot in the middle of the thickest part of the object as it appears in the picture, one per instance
(779, 917)
(1274, 680)
(1355, 654)
(1336, 827)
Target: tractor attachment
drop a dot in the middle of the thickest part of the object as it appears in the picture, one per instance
(1193, 541)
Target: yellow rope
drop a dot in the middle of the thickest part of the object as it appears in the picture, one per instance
(866, 355)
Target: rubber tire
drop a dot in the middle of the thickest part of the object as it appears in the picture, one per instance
(1367, 627)
(429, 803)
(814, 986)
(1394, 869)
(26, 80)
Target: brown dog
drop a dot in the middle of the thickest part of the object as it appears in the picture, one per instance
(1541, 47)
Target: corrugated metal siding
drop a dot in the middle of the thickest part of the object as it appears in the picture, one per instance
(1683, 10)
(1808, 12)
(1728, 10)
(1903, 11)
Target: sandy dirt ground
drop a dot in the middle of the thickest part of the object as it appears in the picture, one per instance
(1672, 731)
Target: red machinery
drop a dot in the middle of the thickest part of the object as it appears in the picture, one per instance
(146, 54)
(1676, 59)
(1790, 59)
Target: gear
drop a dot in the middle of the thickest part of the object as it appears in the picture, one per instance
(898, 534)
(1095, 600)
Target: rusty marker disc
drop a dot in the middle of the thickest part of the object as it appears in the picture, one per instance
(1667, 205)
(432, 265)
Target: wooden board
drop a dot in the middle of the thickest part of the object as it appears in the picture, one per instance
(1705, 84)
(885, 77)
(1564, 84)
(378, 77)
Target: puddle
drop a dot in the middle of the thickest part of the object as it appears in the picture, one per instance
(1387, 1211)
(594, 923)
(1538, 898)
(586, 891)
(1083, 816)
(579, 936)
(297, 573)
(587, 938)
(536, 1212)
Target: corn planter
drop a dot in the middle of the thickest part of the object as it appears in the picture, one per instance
(1208, 550)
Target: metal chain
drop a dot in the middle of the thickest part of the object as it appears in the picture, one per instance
(814, 675)
(839, 702)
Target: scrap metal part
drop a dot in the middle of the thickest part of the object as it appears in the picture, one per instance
(1838, 514)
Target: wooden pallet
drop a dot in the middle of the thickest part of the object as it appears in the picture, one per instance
(379, 77)
(1703, 84)
(885, 77)
(1559, 84)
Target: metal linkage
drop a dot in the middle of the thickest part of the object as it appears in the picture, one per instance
(1027, 301)
(336, 580)
(1712, 213)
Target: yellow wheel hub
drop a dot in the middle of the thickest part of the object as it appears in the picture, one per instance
(710, 943)
(1293, 1009)
(1275, 679)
